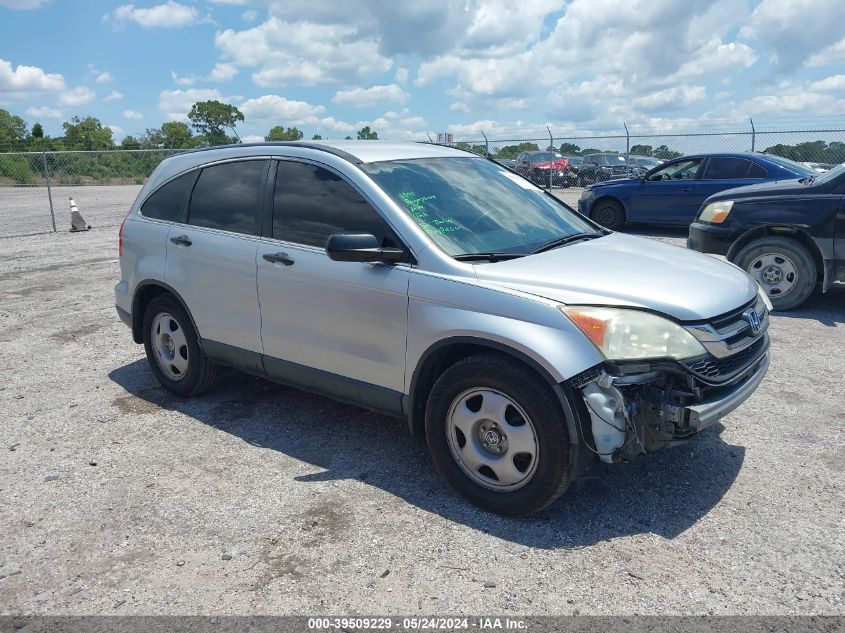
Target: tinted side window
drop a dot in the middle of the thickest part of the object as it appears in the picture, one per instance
(167, 202)
(727, 168)
(757, 171)
(311, 203)
(227, 196)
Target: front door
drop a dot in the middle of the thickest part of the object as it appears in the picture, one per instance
(670, 195)
(337, 327)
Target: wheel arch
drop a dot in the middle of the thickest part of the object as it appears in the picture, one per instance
(606, 196)
(446, 352)
(145, 292)
(779, 230)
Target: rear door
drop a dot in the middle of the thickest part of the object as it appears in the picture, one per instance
(670, 195)
(338, 327)
(211, 258)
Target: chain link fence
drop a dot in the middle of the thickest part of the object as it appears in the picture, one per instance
(35, 186)
(640, 150)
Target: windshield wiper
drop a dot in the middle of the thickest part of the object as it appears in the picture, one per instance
(488, 257)
(563, 241)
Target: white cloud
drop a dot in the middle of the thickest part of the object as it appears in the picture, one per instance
(23, 80)
(250, 15)
(116, 130)
(183, 80)
(303, 53)
(114, 95)
(104, 77)
(281, 111)
(168, 15)
(175, 104)
(830, 55)
(362, 97)
(671, 98)
(132, 115)
(223, 72)
(77, 96)
(795, 29)
(44, 112)
(796, 102)
(253, 138)
(835, 82)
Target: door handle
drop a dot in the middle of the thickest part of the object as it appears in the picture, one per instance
(278, 258)
(686, 189)
(181, 240)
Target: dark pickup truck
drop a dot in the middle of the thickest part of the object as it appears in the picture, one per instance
(789, 235)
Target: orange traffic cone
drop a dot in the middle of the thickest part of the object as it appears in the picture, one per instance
(77, 223)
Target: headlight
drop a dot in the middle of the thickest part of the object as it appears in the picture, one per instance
(716, 212)
(633, 334)
(768, 302)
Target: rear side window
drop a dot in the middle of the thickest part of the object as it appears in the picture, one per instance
(311, 203)
(728, 168)
(227, 197)
(757, 171)
(168, 202)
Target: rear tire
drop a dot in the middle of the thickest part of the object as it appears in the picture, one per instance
(498, 435)
(173, 349)
(783, 267)
(609, 214)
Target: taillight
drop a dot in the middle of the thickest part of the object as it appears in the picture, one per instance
(120, 239)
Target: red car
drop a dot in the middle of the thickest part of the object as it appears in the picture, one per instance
(536, 167)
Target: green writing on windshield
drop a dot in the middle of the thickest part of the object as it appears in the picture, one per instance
(431, 225)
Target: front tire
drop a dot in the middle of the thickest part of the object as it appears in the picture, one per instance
(173, 349)
(783, 267)
(609, 214)
(498, 435)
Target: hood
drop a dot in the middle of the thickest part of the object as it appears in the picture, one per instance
(615, 182)
(763, 189)
(621, 270)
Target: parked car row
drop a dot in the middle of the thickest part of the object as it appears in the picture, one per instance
(780, 221)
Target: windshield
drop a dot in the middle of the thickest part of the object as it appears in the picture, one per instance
(544, 157)
(791, 165)
(471, 205)
(833, 173)
(611, 160)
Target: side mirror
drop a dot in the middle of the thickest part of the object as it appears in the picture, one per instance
(360, 247)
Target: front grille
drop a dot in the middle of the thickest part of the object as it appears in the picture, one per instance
(733, 316)
(724, 368)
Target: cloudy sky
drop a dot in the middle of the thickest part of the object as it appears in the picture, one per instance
(408, 67)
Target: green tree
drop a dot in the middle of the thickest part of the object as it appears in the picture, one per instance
(366, 134)
(642, 150)
(12, 131)
(511, 151)
(87, 134)
(569, 149)
(151, 138)
(347, 138)
(211, 119)
(279, 133)
(177, 135)
(37, 131)
(475, 149)
(316, 137)
(664, 153)
(130, 142)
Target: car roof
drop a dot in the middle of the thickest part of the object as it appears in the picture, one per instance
(354, 151)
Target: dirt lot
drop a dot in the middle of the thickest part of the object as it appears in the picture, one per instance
(117, 498)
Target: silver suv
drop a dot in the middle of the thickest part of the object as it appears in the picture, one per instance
(520, 338)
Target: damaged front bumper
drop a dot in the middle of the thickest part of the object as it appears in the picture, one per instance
(637, 408)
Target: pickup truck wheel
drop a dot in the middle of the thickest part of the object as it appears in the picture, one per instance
(497, 434)
(783, 267)
(173, 350)
(609, 214)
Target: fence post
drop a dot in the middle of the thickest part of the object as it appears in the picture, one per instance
(49, 189)
(753, 134)
(486, 144)
(627, 142)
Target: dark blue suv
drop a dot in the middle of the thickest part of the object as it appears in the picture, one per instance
(672, 193)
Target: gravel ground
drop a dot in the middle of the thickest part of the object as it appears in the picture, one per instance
(116, 498)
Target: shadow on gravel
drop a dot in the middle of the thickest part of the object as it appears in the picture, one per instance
(664, 494)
